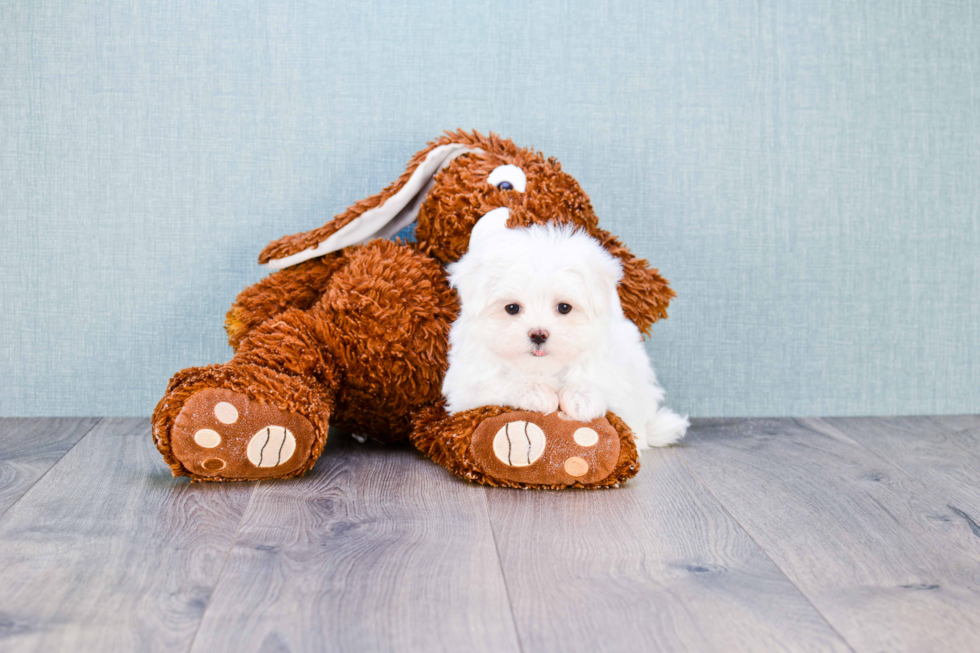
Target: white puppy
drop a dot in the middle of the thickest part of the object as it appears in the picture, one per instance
(542, 328)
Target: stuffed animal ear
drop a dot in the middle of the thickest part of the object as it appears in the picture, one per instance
(380, 216)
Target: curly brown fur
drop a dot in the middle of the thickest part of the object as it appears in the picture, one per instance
(359, 338)
(373, 348)
(297, 287)
(390, 310)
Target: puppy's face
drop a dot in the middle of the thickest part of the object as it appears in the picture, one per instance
(539, 298)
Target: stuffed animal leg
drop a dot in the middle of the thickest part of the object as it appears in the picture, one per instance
(352, 331)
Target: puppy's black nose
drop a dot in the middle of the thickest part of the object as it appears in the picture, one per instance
(538, 336)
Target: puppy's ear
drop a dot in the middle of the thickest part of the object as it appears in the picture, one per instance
(643, 293)
(600, 273)
(609, 268)
(378, 216)
(464, 278)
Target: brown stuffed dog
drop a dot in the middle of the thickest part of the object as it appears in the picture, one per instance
(352, 332)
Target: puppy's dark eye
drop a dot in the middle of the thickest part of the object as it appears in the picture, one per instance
(505, 185)
(513, 309)
(564, 309)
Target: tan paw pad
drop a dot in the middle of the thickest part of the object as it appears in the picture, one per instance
(226, 412)
(223, 433)
(551, 450)
(271, 447)
(586, 437)
(576, 467)
(207, 438)
(519, 444)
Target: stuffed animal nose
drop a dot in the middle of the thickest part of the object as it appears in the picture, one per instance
(538, 336)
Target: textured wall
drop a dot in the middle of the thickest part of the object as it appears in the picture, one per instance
(807, 178)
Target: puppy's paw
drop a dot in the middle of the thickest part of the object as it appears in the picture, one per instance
(666, 427)
(539, 398)
(581, 403)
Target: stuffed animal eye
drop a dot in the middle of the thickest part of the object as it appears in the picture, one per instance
(508, 177)
(513, 309)
(564, 308)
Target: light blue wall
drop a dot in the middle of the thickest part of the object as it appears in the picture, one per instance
(807, 178)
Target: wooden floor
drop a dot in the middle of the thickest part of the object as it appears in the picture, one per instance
(775, 534)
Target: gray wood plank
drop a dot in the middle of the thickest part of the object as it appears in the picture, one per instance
(941, 451)
(29, 446)
(872, 547)
(108, 552)
(656, 565)
(377, 549)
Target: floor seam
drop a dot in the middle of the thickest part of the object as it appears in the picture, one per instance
(500, 566)
(765, 553)
(889, 461)
(803, 423)
(98, 420)
(224, 565)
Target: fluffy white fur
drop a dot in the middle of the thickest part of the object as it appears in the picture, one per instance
(593, 358)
